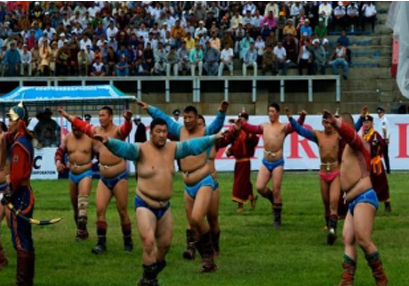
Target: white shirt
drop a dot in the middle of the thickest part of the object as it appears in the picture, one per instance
(84, 44)
(384, 125)
(340, 52)
(280, 53)
(325, 8)
(112, 32)
(200, 31)
(93, 11)
(369, 10)
(257, 21)
(25, 57)
(227, 55)
(97, 67)
(306, 54)
(259, 46)
(50, 33)
(339, 11)
(353, 10)
(144, 33)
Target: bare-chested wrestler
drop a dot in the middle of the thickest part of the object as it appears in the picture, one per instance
(80, 150)
(363, 203)
(114, 175)
(274, 134)
(4, 170)
(328, 143)
(154, 160)
(199, 184)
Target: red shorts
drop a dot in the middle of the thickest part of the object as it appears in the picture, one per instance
(328, 176)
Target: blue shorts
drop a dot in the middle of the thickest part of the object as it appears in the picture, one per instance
(272, 165)
(76, 178)
(159, 213)
(206, 181)
(368, 197)
(111, 183)
(3, 187)
(216, 185)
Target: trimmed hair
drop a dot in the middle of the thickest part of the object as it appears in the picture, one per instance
(348, 118)
(276, 106)
(190, 108)
(108, 109)
(157, 121)
(202, 117)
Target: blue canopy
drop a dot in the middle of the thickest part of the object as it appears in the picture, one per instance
(49, 94)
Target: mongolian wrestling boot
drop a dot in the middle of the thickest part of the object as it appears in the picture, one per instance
(101, 232)
(215, 243)
(150, 272)
(374, 261)
(190, 250)
(277, 208)
(205, 248)
(82, 232)
(388, 207)
(127, 232)
(25, 268)
(332, 230)
(3, 258)
(349, 267)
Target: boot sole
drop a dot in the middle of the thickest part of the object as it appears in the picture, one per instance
(187, 256)
(331, 238)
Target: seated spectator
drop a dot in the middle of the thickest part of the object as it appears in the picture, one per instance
(305, 58)
(236, 20)
(149, 57)
(339, 16)
(320, 57)
(260, 46)
(325, 12)
(215, 42)
(352, 15)
(226, 59)
(268, 61)
(306, 28)
(249, 7)
(368, 15)
(190, 42)
(196, 60)
(201, 30)
(280, 54)
(141, 68)
(281, 21)
(45, 55)
(160, 60)
(250, 60)
(183, 55)
(270, 20)
(265, 31)
(245, 44)
(257, 21)
(226, 39)
(291, 49)
(112, 59)
(47, 125)
(172, 62)
(339, 60)
(35, 59)
(211, 60)
(290, 29)
(320, 30)
(64, 60)
(247, 19)
(344, 40)
(239, 35)
(82, 63)
(26, 61)
(122, 67)
(12, 61)
(98, 68)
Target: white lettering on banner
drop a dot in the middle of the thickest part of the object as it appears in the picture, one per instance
(299, 153)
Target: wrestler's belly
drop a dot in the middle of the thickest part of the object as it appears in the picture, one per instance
(196, 176)
(77, 168)
(273, 156)
(156, 198)
(332, 167)
(111, 171)
(361, 187)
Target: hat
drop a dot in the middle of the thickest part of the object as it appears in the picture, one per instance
(281, 14)
(47, 111)
(244, 115)
(321, 20)
(316, 41)
(137, 118)
(17, 112)
(176, 112)
(368, 118)
(165, 24)
(87, 116)
(325, 41)
(306, 20)
(380, 110)
(37, 3)
(201, 22)
(62, 35)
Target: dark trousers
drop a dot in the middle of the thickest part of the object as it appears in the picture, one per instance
(386, 158)
(21, 236)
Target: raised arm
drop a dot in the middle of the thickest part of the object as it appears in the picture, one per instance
(194, 147)
(360, 121)
(289, 128)
(309, 134)
(86, 128)
(128, 151)
(126, 127)
(173, 127)
(255, 129)
(217, 124)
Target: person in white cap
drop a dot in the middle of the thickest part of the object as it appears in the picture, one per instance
(61, 40)
(26, 61)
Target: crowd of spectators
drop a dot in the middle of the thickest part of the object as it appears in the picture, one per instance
(100, 38)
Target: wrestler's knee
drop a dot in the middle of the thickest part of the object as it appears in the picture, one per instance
(148, 244)
(363, 241)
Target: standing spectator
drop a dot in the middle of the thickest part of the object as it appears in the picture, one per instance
(140, 133)
(88, 118)
(268, 61)
(211, 59)
(291, 49)
(12, 61)
(340, 18)
(53, 57)
(260, 46)
(305, 58)
(196, 60)
(98, 68)
(280, 26)
(35, 59)
(45, 55)
(183, 55)
(320, 57)
(160, 60)
(226, 59)
(368, 15)
(122, 67)
(353, 15)
(384, 130)
(339, 59)
(26, 61)
(250, 60)
(47, 123)
(112, 59)
(280, 54)
(325, 11)
(172, 62)
(82, 58)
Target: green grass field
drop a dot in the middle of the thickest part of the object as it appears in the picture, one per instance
(252, 252)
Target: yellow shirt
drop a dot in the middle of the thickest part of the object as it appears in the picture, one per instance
(190, 44)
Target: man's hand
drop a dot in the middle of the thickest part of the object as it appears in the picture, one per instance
(302, 113)
(101, 138)
(64, 114)
(60, 167)
(329, 117)
(288, 112)
(127, 115)
(223, 106)
(6, 198)
(364, 111)
(142, 104)
(220, 135)
(238, 124)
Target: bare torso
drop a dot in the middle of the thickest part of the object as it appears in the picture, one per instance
(80, 152)
(211, 163)
(155, 173)
(273, 136)
(328, 144)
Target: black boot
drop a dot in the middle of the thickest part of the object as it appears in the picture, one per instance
(205, 248)
(25, 268)
(150, 272)
(190, 250)
(101, 244)
(215, 243)
(388, 207)
(82, 232)
(332, 230)
(128, 243)
(277, 208)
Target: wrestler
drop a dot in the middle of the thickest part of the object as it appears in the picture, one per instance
(199, 184)
(20, 193)
(363, 203)
(328, 143)
(274, 134)
(80, 150)
(154, 161)
(4, 170)
(113, 170)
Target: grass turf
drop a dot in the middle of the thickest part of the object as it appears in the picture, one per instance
(252, 252)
